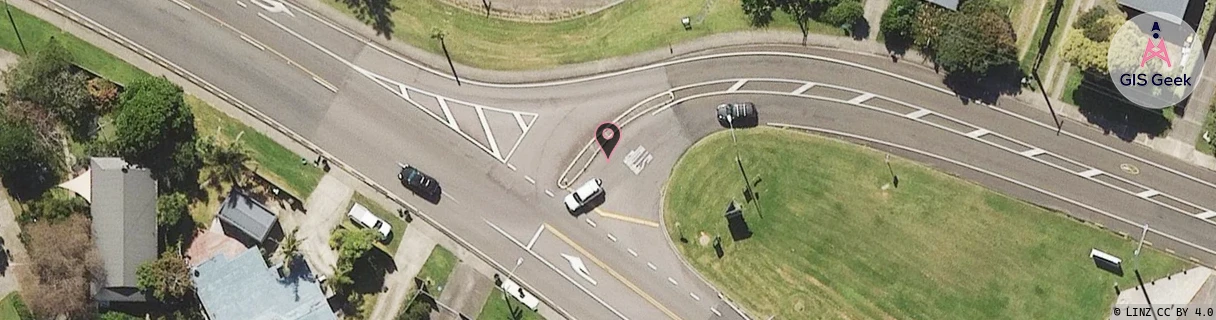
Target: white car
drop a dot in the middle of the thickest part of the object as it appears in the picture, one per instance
(366, 219)
(523, 296)
(589, 190)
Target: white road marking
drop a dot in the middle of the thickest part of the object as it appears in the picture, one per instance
(1089, 173)
(447, 113)
(737, 85)
(550, 193)
(325, 84)
(183, 5)
(652, 267)
(1033, 152)
(481, 114)
(715, 311)
(255, 44)
(862, 98)
(978, 133)
(804, 88)
(273, 6)
(673, 281)
(576, 263)
(1148, 193)
(535, 236)
(611, 237)
(592, 223)
(519, 118)
(1206, 215)
(918, 113)
(529, 179)
(694, 296)
(635, 253)
(242, 4)
(511, 166)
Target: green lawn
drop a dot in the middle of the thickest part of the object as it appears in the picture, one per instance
(273, 161)
(631, 27)
(1209, 125)
(496, 308)
(437, 268)
(830, 241)
(398, 225)
(35, 32)
(11, 307)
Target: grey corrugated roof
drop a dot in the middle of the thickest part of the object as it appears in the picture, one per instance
(248, 215)
(124, 218)
(949, 4)
(1175, 8)
(245, 288)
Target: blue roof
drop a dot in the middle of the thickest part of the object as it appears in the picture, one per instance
(245, 288)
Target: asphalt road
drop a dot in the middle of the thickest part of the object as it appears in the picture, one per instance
(499, 151)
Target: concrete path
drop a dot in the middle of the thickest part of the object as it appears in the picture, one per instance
(325, 210)
(12, 250)
(466, 290)
(537, 10)
(873, 14)
(415, 247)
(1179, 288)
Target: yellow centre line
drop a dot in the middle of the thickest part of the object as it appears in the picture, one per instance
(611, 272)
(276, 52)
(626, 218)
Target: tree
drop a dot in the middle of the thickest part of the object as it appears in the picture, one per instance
(845, 14)
(1089, 18)
(47, 80)
(170, 208)
(228, 160)
(167, 278)
(62, 264)
(290, 248)
(760, 12)
(930, 20)
(899, 22)
(27, 167)
(801, 11)
(1085, 53)
(351, 245)
(976, 40)
(155, 129)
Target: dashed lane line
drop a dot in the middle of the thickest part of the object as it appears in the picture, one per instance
(613, 273)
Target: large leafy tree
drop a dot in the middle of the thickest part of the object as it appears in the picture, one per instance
(47, 80)
(351, 245)
(899, 22)
(845, 14)
(155, 129)
(27, 167)
(976, 40)
(167, 278)
(228, 160)
(170, 208)
(760, 12)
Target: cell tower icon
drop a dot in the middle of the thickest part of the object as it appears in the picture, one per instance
(1155, 51)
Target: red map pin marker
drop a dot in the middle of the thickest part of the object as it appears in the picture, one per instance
(607, 135)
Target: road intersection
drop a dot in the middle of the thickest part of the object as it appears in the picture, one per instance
(372, 108)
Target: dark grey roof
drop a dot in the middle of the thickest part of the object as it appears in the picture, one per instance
(949, 4)
(1175, 8)
(248, 215)
(244, 288)
(124, 218)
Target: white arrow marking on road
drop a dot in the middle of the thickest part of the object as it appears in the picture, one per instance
(273, 6)
(577, 264)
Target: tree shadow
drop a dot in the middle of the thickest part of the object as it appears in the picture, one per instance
(860, 30)
(1101, 104)
(369, 271)
(377, 13)
(986, 88)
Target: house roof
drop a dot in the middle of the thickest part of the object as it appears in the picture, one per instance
(245, 288)
(124, 220)
(949, 4)
(247, 215)
(1175, 8)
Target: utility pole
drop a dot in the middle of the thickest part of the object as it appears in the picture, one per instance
(439, 34)
(747, 183)
(14, 23)
(894, 178)
(1136, 269)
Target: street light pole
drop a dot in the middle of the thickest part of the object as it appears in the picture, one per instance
(439, 34)
(14, 23)
(747, 183)
(1136, 269)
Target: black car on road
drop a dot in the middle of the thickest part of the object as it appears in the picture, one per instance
(421, 184)
(738, 114)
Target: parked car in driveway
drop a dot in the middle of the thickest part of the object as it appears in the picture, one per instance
(577, 201)
(419, 183)
(364, 218)
(738, 114)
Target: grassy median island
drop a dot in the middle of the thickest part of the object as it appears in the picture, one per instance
(631, 27)
(833, 243)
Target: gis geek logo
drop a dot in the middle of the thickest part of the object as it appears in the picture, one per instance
(1140, 63)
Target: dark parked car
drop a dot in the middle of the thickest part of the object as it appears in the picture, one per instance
(418, 182)
(739, 114)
